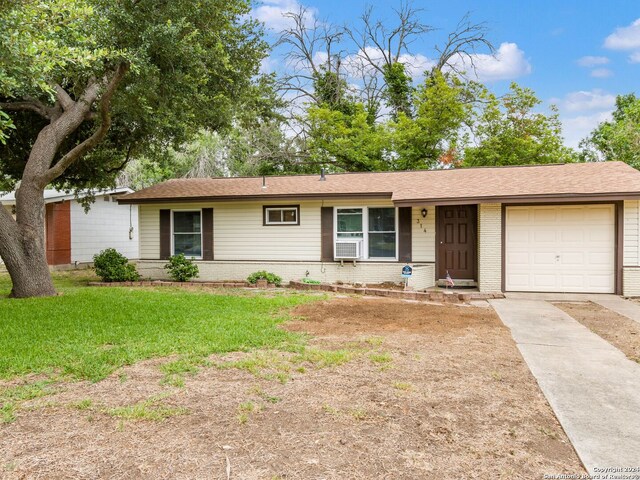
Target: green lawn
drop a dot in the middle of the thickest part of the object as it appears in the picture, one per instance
(88, 332)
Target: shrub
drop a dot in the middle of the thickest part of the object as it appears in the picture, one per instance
(181, 269)
(311, 281)
(263, 274)
(112, 266)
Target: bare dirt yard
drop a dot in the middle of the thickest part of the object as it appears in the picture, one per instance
(620, 331)
(385, 389)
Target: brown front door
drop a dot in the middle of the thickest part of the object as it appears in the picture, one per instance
(456, 241)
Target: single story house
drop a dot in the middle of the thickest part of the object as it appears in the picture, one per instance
(552, 228)
(74, 236)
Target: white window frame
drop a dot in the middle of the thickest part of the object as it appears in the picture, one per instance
(365, 231)
(268, 209)
(173, 234)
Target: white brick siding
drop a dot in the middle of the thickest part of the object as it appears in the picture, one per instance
(362, 272)
(631, 249)
(490, 247)
(423, 277)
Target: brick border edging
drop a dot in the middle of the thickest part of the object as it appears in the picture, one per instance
(441, 297)
(162, 283)
(406, 295)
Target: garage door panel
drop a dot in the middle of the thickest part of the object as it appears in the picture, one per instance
(544, 235)
(544, 259)
(572, 236)
(573, 281)
(600, 282)
(570, 259)
(599, 259)
(544, 281)
(518, 258)
(569, 215)
(560, 248)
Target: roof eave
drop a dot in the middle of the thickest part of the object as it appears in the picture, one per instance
(266, 197)
(515, 199)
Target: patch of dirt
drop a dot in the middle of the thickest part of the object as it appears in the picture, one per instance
(426, 391)
(620, 331)
(348, 316)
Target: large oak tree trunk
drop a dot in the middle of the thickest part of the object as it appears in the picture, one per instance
(22, 245)
(22, 241)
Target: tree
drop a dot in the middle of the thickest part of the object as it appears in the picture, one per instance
(346, 141)
(88, 84)
(619, 138)
(509, 132)
(435, 133)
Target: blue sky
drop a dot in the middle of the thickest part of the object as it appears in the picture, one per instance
(576, 54)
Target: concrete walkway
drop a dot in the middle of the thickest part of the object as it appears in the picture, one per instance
(619, 305)
(592, 387)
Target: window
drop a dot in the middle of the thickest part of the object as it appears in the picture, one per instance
(349, 223)
(282, 215)
(382, 233)
(187, 233)
(376, 227)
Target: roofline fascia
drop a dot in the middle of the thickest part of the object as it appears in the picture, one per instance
(510, 199)
(226, 198)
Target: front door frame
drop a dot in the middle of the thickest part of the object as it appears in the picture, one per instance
(474, 243)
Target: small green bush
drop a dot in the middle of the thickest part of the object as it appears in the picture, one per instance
(112, 266)
(181, 269)
(311, 281)
(263, 274)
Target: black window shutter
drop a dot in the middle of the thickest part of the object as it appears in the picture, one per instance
(165, 234)
(207, 233)
(404, 234)
(326, 228)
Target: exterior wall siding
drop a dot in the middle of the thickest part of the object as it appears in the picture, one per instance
(105, 226)
(242, 245)
(423, 235)
(238, 232)
(631, 249)
(490, 247)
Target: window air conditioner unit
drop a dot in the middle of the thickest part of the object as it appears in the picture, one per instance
(348, 249)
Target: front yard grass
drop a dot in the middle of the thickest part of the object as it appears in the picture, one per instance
(87, 333)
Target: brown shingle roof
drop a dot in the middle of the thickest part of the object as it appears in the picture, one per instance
(605, 179)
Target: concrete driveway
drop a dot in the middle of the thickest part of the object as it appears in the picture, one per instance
(592, 387)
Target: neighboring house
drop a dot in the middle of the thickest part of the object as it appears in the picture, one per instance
(74, 237)
(553, 228)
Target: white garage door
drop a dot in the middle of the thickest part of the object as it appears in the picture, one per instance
(569, 248)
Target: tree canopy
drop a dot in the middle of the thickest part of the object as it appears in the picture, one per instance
(183, 67)
(86, 85)
(510, 132)
(618, 138)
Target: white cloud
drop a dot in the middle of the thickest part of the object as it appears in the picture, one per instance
(416, 65)
(507, 63)
(268, 65)
(601, 73)
(634, 57)
(577, 128)
(354, 64)
(591, 61)
(624, 38)
(273, 13)
(582, 101)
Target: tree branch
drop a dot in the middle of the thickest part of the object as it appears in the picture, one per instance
(63, 97)
(91, 142)
(27, 105)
